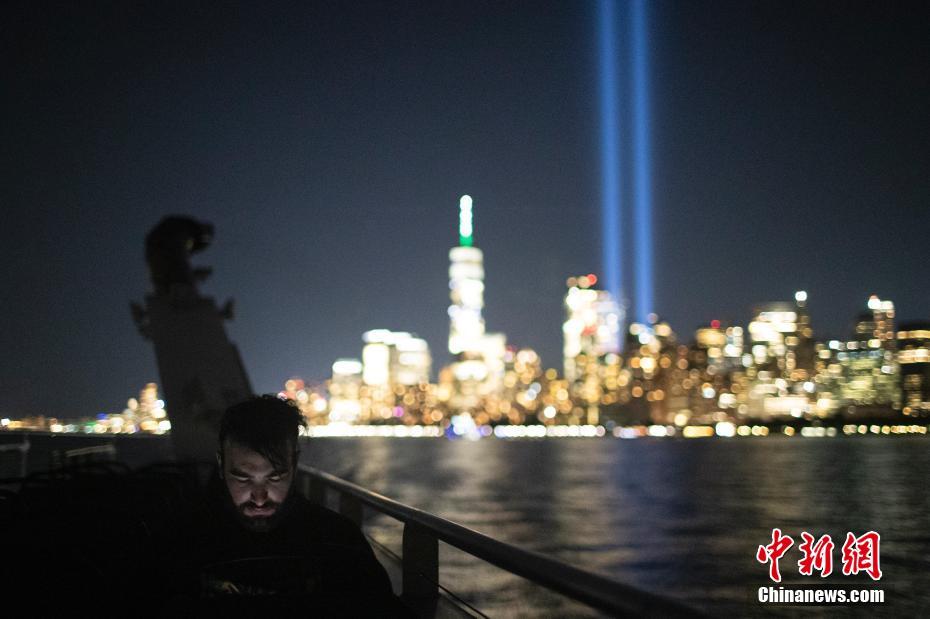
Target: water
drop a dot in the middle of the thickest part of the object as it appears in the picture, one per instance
(678, 517)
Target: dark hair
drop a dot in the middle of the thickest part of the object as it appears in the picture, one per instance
(265, 424)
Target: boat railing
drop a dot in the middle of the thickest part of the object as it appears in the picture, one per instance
(62, 458)
(21, 454)
(422, 531)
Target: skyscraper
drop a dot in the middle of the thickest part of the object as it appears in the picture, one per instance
(870, 366)
(345, 391)
(591, 342)
(779, 375)
(478, 368)
(394, 358)
(781, 340)
(914, 364)
(592, 325)
(466, 285)
(649, 351)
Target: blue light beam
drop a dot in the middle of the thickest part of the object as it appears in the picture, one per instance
(611, 245)
(642, 162)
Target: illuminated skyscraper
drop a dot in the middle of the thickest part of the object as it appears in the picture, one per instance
(870, 366)
(466, 285)
(709, 345)
(914, 364)
(781, 364)
(649, 352)
(767, 332)
(592, 326)
(393, 364)
(344, 389)
(410, 362)
(479, 356)
(713, 364)
(376, 358)
(591, 342)
(875, 328)
(392, 358)
(781, 339)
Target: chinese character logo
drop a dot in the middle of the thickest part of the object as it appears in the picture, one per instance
(860, 554)
(817, 556)
(773, 552)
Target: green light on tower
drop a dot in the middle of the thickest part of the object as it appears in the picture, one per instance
(466, 230)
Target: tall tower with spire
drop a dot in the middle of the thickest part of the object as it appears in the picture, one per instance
(466, 288)
(478, 366)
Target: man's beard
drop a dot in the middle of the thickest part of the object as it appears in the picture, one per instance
(259, 524)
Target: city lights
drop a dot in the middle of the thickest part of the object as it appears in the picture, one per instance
(145, 414)
(772, 377)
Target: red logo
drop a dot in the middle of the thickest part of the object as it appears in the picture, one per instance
(817, 556)
(773, 552)
(860, 554)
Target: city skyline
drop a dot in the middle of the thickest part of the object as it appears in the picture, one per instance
(329, 146)
(685, 335)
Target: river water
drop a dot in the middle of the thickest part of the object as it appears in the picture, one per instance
(682, 518)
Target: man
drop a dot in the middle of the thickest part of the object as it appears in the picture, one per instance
(256, 541)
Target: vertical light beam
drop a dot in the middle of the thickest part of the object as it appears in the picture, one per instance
(610, 157)
(642, 162)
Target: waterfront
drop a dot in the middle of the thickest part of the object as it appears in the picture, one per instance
(682, 518)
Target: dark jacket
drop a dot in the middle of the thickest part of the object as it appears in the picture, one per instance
(313, 560)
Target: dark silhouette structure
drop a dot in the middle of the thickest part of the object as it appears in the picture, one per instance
(168, 248)
(201, 370)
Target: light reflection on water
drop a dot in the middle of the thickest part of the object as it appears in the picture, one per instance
(680, 518)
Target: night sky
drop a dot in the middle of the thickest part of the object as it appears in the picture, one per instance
(329, 143)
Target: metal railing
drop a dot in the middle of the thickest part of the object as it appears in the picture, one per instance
(62, 458)
(422, 531)
(23, 453)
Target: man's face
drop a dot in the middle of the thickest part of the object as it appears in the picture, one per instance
(256, 487)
